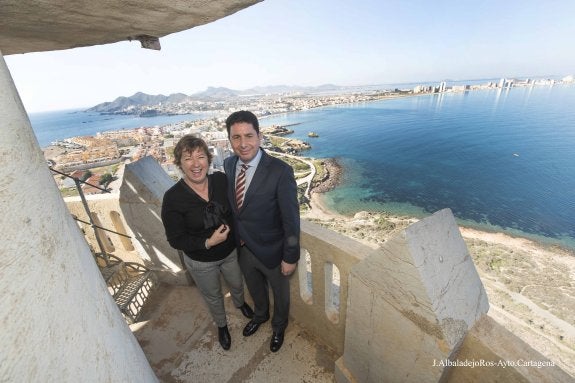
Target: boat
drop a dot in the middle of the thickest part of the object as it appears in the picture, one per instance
(312, 134)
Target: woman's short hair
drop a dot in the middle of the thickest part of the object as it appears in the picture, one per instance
(190, 143)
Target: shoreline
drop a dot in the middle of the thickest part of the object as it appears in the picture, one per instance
(319, 210)
(333, 178)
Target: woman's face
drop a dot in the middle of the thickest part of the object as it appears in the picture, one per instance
(195, 165)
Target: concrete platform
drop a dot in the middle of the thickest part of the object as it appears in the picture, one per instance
(180, 341)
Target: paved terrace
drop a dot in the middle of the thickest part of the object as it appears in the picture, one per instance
(180, 341)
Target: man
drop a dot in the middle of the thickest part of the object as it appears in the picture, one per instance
(263, 194)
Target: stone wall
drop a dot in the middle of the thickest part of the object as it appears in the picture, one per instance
(141, 194)
(59, 322)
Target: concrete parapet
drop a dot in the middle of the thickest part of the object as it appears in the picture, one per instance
(141, 194)
(135, 212)
(490, 353)
(411, 304)
(105, 212)
(323, 251)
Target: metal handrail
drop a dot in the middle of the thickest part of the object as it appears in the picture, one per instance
(99, 227)
(78, 182)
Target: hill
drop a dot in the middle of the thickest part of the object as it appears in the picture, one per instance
(138, 100)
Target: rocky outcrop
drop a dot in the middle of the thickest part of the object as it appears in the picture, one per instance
(332, 176)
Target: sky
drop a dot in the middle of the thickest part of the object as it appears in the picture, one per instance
(314, 42)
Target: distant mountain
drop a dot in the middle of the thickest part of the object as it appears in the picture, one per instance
(122, 104)
(216, 93)
(223, 93)
(176, 97)
(277, 89)
(139, 98)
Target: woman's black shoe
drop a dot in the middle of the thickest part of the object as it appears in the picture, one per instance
(224, 337)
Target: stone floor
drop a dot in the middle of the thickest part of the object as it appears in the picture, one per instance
(180, 341)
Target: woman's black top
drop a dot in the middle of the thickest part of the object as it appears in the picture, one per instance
(189, 220)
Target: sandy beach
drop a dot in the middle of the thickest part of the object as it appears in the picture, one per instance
(530, 287)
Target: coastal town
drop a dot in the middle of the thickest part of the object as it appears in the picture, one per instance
(106, 150)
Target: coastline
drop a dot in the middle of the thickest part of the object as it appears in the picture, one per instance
(529, 285)
(319, 209)
(333, 177)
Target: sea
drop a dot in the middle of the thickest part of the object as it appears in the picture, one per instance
(503, 160)
(58, 125)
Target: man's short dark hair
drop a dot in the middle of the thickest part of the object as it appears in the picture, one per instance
(242, 116)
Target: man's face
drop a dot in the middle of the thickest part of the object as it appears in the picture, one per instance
(245, 141)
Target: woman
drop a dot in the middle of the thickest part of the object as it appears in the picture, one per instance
(197, 219)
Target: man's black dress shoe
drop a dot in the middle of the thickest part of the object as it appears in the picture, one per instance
(251, 328)
(247, 311)
(277, 341)
(224, 337)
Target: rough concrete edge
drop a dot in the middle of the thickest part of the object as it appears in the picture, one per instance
(509, 347)
(342, 374)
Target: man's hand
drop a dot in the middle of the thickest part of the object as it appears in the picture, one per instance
(288, 268)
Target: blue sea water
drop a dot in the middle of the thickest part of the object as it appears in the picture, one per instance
(502, 160)
(58, 125)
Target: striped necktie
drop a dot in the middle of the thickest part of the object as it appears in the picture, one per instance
(241, 186)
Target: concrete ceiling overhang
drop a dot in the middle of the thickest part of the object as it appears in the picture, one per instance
(47, 25)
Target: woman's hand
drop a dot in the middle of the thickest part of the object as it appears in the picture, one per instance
(219, 236)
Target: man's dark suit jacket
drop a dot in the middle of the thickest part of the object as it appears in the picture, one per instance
(268, 221)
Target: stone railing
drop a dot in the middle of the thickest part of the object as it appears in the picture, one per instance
(319, 289)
